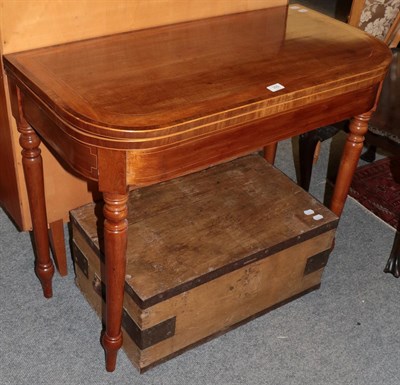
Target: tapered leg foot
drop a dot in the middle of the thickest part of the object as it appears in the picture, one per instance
(111, 347)
(45, 274)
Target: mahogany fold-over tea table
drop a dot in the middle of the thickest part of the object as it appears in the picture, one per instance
(137, 108)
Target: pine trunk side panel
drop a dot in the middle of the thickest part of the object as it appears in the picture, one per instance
(147, 318)
(219, 304)
(208, 251)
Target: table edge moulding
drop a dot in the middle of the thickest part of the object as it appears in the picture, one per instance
(138, 108)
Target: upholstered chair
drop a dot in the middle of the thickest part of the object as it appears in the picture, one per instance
(379, 18)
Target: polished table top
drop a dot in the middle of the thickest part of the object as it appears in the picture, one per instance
(141, 107)
(162, 85)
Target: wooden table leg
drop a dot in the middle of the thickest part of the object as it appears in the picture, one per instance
(348, 164)
(57, 243)
(115, 243)
(270, 152)
(33, 170)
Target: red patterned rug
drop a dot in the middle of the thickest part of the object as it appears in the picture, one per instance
(377, 187)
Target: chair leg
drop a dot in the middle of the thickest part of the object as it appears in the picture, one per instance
(307, 144)
(370, 154)
(270, 152)
(393, 263)
(317, 152)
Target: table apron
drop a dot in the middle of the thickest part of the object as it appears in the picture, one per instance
(81, 157)
(145, 167)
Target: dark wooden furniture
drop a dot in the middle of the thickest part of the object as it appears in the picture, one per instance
(371, 16)
(384, 126)
(207, 252)
(393, 263)
(139, 108)
(384, 132)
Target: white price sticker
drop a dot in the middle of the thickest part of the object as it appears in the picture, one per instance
(275, 87)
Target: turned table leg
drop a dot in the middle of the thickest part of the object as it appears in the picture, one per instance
(33, 170)
(115, 243)
(348, 164)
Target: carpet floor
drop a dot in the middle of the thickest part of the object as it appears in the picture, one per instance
(377, 187)
(345, 333)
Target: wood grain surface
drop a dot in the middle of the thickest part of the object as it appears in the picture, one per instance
(142, 107)
(28, 24)
(157, 84)
(190, 230)
(207, 252)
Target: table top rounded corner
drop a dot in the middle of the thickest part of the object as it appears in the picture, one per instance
(159, 83)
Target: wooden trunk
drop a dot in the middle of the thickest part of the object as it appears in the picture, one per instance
(207, 252)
